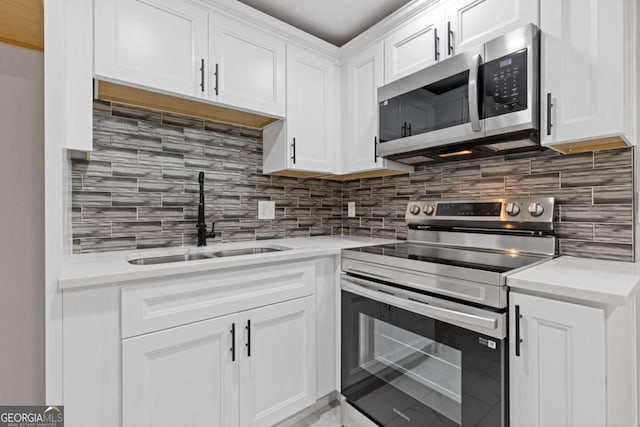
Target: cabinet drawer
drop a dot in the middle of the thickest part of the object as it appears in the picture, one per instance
(164, 303)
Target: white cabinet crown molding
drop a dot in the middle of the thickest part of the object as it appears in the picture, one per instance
(381, 29)
(263, 21)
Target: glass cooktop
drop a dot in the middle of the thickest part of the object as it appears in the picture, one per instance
(494, 261)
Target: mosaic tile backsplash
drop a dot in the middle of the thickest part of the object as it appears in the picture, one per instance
(140, 190)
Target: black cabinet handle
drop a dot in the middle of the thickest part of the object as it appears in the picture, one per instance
(375, 149)
(248, 344)
(293, 154)
(233, 342)
(404, 129)
(436, 42)
(217, 74)
(202, 75)
(549, 105)
(518, 339)
(409, 130)
(449, 38)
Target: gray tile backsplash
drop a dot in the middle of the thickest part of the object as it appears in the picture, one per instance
(140, 190)
(593, 191)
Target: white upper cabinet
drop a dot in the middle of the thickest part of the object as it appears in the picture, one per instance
(365, 74)
(306, 141)
(247, 66)
(470, 23)
(181, 376)
(278, 375)
(583, 68)
(415, 45)
(558, 369)
(153, 43)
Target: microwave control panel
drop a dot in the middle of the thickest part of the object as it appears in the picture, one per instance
(505, 84)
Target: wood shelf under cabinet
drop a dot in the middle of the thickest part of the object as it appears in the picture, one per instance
(115, 92)
(590, 145)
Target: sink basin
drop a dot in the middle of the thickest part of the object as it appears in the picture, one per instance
(169, 258)
(246, 251)
(165, 259)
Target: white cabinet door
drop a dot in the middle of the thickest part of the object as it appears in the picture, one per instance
(415, 45)
(250, 66)
(312, 99)
(365, 76)
(473, 22)
(154, 43)
(183, 376)
(278, 374)
(559, 377)
(582, 66)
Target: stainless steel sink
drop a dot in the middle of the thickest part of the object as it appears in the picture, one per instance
(165, 259)
(246, 251)
(169, 258)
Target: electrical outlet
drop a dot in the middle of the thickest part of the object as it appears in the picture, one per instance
(266, 210)
(351, 209)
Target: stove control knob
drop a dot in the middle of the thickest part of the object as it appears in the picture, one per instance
(414, 209)
(512, 209)
(428, 209)
(536, 209)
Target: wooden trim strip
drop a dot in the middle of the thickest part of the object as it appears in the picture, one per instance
(22, 23)
(592, 145)
(144, 98)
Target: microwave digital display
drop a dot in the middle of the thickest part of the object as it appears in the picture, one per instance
(506, 63)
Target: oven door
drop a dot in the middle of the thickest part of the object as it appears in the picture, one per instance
(413, 360)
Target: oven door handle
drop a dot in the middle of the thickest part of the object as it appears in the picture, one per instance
(474, 114)
(381, 294)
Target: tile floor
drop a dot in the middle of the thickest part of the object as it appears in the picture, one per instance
(326, 417)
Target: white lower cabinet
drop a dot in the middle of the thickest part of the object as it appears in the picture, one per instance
(277, 362)
(558, 370)
(254, 368)
(181, 376)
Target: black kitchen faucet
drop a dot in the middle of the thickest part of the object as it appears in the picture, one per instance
(201, 226)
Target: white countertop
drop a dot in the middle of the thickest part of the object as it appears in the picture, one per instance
(608, 282)
(103, 268)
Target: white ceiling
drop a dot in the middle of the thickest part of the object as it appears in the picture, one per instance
(336, 21)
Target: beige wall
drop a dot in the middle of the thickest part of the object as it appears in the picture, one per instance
(22, 352)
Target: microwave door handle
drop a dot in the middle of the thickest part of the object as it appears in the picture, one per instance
(474, 113)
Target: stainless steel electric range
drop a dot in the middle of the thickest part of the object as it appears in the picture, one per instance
(424, 327)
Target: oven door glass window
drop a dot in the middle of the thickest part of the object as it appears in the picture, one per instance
(403, 369)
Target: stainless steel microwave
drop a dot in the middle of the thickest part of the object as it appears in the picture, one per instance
(478, 103)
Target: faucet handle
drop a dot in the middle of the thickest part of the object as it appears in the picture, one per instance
(212, 233)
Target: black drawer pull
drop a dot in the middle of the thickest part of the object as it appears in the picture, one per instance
(518, 339)
(202, 75)
(233, 342)
(248, 328)
(549, 105)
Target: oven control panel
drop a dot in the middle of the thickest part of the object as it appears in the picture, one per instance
(510, 214)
